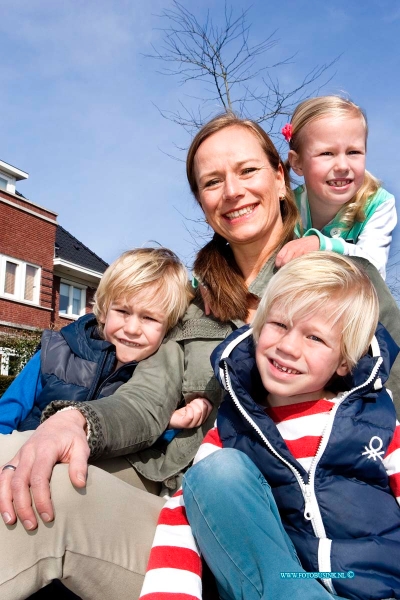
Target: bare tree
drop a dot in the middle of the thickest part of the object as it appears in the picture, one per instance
(227, 68)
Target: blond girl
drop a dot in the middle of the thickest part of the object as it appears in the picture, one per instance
(342, 206)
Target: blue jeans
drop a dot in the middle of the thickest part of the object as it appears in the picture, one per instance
(237, 526)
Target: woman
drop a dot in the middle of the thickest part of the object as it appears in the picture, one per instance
(100, 538)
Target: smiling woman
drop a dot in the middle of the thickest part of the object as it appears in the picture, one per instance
(241, 184)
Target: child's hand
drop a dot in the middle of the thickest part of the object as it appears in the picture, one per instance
(297, 248)
(191, 415)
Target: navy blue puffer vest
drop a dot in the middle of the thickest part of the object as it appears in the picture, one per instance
(342, 516)
(76, 364)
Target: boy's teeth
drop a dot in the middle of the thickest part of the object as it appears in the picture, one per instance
(285, 369)
(238, 213)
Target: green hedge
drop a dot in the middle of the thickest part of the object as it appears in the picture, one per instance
(5, 381)
(22, 347)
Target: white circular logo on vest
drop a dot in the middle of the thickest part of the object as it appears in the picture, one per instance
(335, 232)
(373, 451)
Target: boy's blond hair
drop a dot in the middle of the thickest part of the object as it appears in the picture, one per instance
(328, 281)
(155, 270)
(335, 106)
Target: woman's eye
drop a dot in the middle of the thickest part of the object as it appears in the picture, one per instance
(249, 170)
(355, 152)
(327, 153)
(211, 183)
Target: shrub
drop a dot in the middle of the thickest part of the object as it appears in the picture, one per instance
(5, 381)
(21, 348)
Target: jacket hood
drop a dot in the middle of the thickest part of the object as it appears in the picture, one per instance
(237, 352)
(83, 338)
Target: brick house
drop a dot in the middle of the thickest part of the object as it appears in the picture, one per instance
(47, 276)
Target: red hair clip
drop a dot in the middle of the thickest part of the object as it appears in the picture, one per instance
(287, 132)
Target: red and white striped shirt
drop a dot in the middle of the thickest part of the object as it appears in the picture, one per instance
(174, 568)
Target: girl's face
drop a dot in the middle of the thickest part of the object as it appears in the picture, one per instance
(238, 189)
(331, 160)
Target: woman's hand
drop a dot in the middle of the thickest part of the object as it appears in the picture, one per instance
(296, 248)
(61, 438)
(191, 415)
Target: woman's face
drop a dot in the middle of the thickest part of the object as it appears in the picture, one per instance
(237, 188)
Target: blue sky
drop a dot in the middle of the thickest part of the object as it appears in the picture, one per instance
(78, 105)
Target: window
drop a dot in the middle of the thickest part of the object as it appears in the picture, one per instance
(30, 278)
(8, 362)
(19, 280)
(10, 278)
(72, 300)
(7, 182)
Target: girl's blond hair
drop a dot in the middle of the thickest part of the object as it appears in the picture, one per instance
(157, 271)
(335, 106)
(330, 282)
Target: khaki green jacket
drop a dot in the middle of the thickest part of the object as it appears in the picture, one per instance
(131, 420)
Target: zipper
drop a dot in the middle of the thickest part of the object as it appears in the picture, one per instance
(295, 471)
(318, 523)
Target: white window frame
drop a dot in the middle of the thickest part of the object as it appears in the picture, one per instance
(69, 314)
(10, 182)
(19, 292)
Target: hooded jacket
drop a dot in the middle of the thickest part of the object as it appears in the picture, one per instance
(76, 364)
(341, 516)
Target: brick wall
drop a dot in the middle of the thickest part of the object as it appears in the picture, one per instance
(27, 204)
(29, 238)
(90, 292)
(23, 314)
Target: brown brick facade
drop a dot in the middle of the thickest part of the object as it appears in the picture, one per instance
(28, 238)
(21, 314)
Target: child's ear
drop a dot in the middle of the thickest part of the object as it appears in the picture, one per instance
(343, 369)
(295, 162)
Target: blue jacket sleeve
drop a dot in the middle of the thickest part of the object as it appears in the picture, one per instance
(19, 398)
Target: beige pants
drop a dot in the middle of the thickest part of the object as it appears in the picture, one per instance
(98, 544)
